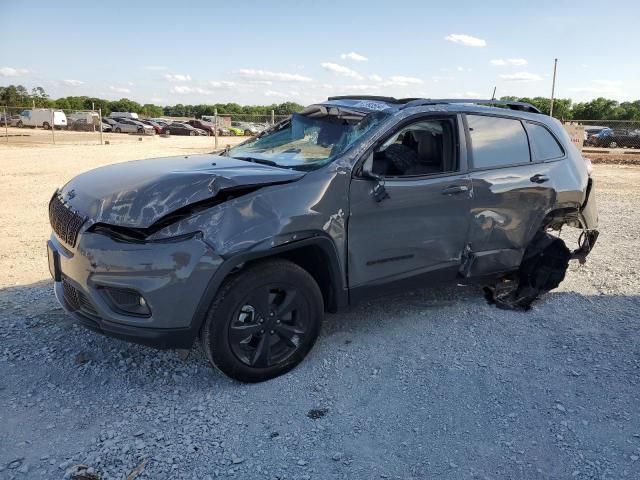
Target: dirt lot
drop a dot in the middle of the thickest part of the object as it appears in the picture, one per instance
(429, 384)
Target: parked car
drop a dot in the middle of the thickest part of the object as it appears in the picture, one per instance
(248, 129)
(160, 121)
(206, 126)
(5, 120)
(106, 126)
(126, 125)
(611, 138)
(83, 126)
(156, 127)
(177, 128)
(590, 131)
(42, 117)
(89, 117)
(245, 251)
(235, 131)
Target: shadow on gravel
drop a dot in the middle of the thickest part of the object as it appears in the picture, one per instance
(35, 327)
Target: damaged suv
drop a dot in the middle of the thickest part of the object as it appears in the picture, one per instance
(351, 198)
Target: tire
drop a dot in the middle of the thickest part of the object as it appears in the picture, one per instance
(20, 124)
(242, 342)
(247, 133)
(46, 125)
(140, 131)
(613, 145)
(192, 133)
(118, 130)
(543, 268)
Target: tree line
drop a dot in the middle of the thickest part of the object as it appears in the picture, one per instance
(563, 108)
(19, 96)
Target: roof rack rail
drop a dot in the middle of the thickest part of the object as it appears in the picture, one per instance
(366, 97)
(521, 106)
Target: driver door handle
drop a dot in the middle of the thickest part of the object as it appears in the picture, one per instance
(455, 189)
(539, 178)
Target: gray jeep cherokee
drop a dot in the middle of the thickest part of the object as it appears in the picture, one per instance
(348, 199)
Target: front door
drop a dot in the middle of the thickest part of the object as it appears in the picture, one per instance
(419, 231)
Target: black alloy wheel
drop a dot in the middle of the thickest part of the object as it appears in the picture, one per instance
(263, 321)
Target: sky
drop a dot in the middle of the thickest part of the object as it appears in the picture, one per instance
(265, 52)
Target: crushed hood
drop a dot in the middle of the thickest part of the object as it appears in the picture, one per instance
(137, 194)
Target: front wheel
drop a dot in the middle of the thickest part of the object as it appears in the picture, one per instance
(613, 145)
(192, 133)
(118, 130)
(263, 322)
(46, 125)
(20, 124)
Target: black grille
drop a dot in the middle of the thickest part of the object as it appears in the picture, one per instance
(76, 300)
(64, 221)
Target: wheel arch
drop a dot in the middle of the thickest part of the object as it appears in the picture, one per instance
(317, 254)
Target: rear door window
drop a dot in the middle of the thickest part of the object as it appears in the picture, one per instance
(497, 141)
(544, 145)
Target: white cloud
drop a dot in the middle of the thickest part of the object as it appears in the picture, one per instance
(177, 77)
(466, 40)
(402, 81)
(12, 72)
(341, 70)
(441, 78)
(272, 76)
(73, 83)
(360, 88)
(601, 88)
(222, 84)
(273, 93)
(521, 77)
(607, 83)
(119, 89)
(375, 78)
(354, 56)
(158, 100)
(261, 82)
(501, 62)
(185, 89)
(468, 94)
(155, 67)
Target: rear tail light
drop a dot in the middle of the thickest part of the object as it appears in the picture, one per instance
(589, 165)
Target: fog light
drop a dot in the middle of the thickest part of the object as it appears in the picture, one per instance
(126, 301)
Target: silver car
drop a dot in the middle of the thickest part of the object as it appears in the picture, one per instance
(127, 125)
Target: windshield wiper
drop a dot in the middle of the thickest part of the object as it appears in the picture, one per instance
(262, 161)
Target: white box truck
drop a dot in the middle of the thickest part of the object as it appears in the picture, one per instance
(42, 117)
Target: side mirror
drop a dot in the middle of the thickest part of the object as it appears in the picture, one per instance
(378, 192)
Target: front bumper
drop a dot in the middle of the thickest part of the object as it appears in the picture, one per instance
(171, 276)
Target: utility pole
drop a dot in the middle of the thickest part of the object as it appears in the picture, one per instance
(215, 127)
(493, 95)
(553, 86)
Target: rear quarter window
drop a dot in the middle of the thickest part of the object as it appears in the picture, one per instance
(497, 141)
(544, 145)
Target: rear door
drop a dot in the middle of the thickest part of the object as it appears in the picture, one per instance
(511, 165)
(418, 232)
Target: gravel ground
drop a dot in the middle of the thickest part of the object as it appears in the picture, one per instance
(428, 384)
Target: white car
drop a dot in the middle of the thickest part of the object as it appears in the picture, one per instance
(42, 117)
